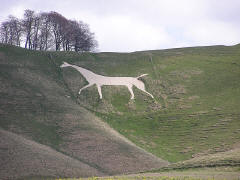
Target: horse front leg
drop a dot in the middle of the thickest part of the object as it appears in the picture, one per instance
(99, 91)
(84, 88)
(131, 91)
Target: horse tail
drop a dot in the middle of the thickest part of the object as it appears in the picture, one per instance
(142, 76)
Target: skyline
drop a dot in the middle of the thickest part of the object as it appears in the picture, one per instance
(133, 25)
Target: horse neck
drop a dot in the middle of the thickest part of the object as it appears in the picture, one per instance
(83, 71)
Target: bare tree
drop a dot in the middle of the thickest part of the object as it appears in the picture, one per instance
(45, 36)
(81, 37)
(11, 31)
(58, 24)
(43, 31)
(5, 32)
(27, 25)
(18, 30)
(36, 26)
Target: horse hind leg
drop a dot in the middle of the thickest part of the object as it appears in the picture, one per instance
(142, 88)
(148, 93)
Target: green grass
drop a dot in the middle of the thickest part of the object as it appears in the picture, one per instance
(196, 90)
(140, 178)
(24, 94)
(222, 159)
(180, 174)
(200, 113)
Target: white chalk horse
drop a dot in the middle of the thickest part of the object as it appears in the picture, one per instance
(100, 80)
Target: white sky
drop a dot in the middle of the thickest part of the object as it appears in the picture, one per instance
(133, 25)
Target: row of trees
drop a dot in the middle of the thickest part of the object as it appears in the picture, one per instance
(47, 31)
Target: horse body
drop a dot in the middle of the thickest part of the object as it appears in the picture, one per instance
(100, 80)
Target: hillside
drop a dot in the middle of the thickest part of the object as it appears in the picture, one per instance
(197, 98)
(37, 105)
(194, 113)
(227, 158)
(21, 157)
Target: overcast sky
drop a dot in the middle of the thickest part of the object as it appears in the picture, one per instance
(133, 25)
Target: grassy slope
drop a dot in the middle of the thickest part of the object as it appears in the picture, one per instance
(218, 173)
(227, 158)
(221, 165)
(21, 157)
(197, 98)
(195, 110)
(36, 103)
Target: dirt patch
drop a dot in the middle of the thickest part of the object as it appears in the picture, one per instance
(184, 106)
(185, 74)
(201, 112)
(193, 97)
(181, 74)
(195, 72)
(178, 89)
(155, 106)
